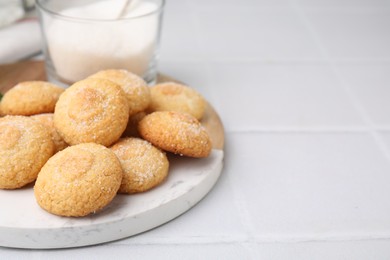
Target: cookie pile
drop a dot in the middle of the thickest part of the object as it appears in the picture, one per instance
(104, 135)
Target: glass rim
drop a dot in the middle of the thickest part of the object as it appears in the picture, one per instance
(42, 7)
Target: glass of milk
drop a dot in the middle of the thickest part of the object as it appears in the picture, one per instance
(82, 37)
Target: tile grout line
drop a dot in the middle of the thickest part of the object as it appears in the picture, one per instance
(254, 240)
(281, 60)
(350, 9)
(245, 219)
(202, 60)
(216, 239)
(345, 85)
(244, 215)
(309, 129)
(372, 130)
(330, 239)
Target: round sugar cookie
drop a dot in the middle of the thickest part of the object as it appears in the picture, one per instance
(136, 89)
(172, 96)
(92, 110)
(144, 166)
(25, 146)
(47, 120)
(176, 132)
(78, 180)
(30, 98)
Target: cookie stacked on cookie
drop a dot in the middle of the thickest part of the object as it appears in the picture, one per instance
(106, 134)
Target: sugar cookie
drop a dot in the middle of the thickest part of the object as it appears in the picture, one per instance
(136, 89)
(144, 166)
(92, 110)
(25, 146)
(47, 121)
(30, 98)
(177, 97)
(176, 132)
(78, 180)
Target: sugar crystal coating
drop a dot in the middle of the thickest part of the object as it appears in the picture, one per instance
(30, 98)
(25, 146)
(78, 180)
(92, 110)
(47, 121)
(171, 96)
(144, 165)
(176, 132)
(136, 89)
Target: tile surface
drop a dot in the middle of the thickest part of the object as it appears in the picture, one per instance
(273, 95)
(370, 83)
(256, 34)
(214, 218)
(311, 186)
(352, 35)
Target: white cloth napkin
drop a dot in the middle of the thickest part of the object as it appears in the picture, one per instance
(19, 40)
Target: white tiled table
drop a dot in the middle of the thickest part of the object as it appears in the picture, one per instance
(303, 89)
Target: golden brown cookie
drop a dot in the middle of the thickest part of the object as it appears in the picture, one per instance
(144, 166)
(176, 132)
(47, 121)
(136, 89)
(172, 96)
(92, 110)
(25, 146)
(78, 180)
(30, 98)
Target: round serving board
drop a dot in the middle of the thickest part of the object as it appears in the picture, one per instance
(23, 224)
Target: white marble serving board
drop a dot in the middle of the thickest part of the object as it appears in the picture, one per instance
(23, 224)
